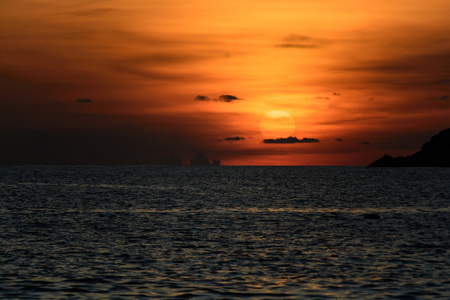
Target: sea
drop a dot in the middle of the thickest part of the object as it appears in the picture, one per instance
(227, 232)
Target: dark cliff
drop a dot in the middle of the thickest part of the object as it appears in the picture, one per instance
(434, 153)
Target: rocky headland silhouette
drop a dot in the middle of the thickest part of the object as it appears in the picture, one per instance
(434, 153)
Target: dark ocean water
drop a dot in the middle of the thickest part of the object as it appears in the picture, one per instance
(224, 233)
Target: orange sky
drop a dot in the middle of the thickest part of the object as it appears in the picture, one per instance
(128, 82)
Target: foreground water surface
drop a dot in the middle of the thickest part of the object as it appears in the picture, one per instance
(224, 232)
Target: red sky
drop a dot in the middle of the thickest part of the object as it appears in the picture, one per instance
(129, 82)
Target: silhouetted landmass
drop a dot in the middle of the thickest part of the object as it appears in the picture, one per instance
(200, 159)
(434, 153)
(290, 140)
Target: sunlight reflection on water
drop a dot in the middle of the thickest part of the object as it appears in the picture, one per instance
(257, 232)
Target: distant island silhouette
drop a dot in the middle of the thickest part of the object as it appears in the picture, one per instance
(201, 159)
(434, 153)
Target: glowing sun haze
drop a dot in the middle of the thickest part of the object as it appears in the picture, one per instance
(129, 82)
(276, 124)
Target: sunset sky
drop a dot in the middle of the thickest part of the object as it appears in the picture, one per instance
(129, 82)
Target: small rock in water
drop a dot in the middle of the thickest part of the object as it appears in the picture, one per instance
(372, 216)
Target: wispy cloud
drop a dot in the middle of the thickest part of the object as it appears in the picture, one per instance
(297, 38)
(409, 71)
(354, 120)
(440, 97)
(300, 46)
(300, 42)
(157, 75)
(91, 12)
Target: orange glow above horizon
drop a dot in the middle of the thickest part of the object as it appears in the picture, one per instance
(277, 123)
(185, 76)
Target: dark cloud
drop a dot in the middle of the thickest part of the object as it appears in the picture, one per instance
(339, 140)
(201, 98)
(234, 138)
(83, 100)
(336, 94)
(222, 98)
(290, 140)
(228, 98)
(444, 97)
(365, 143)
